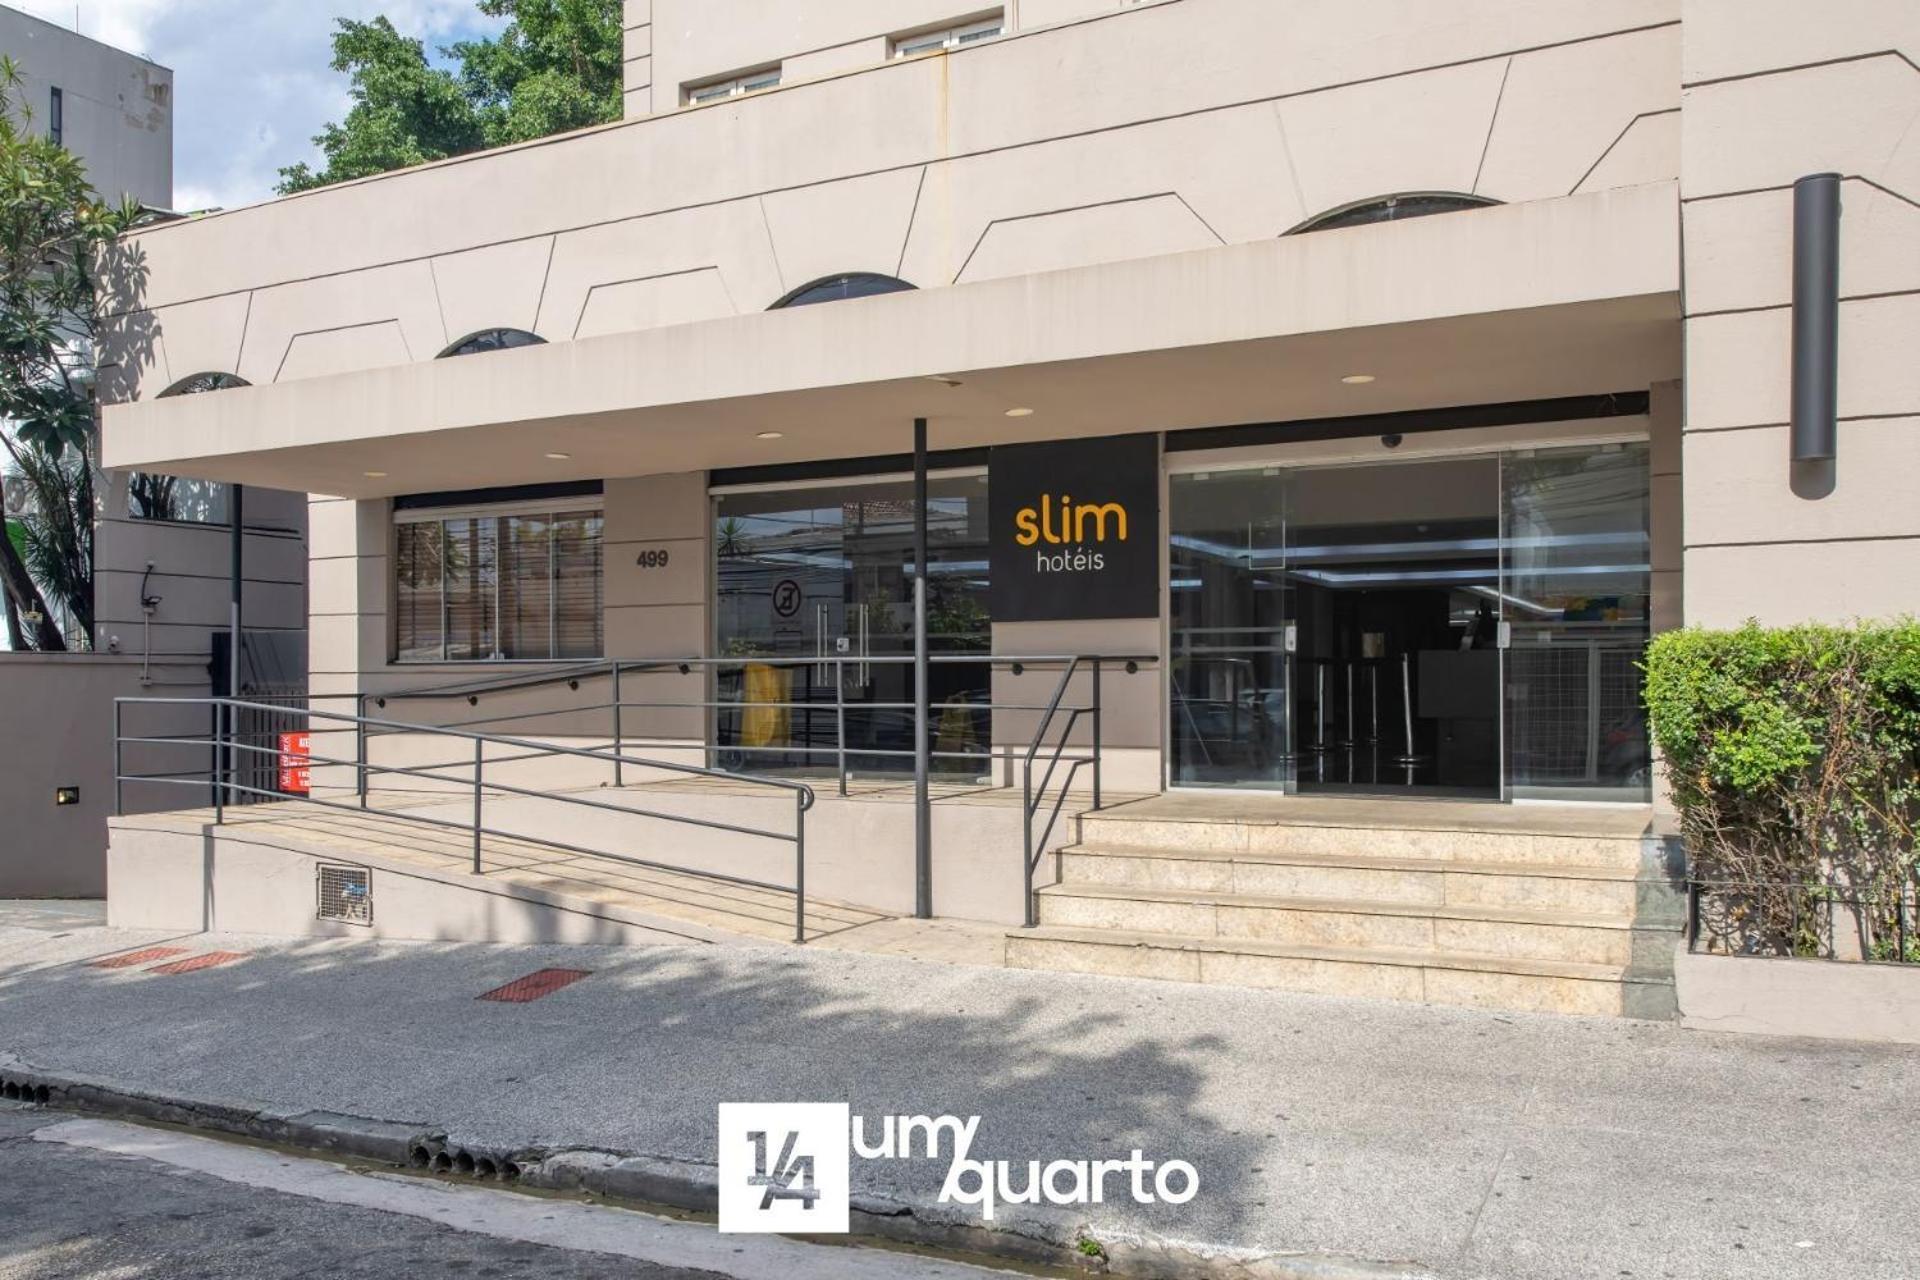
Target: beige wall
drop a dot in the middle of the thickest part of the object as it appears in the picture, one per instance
(1777, 90)
(118, 114)
(56, 730)
(677, 43)
(1010, 157)
(191, 576)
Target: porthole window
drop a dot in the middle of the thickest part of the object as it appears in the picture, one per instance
(1417, 204)
(857, 284)
(493, 340)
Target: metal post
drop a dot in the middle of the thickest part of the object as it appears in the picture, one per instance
(119, 806)
(1816, 316)
(359, 745)
(1026, 858)
(922, 712)
(479, 759)
(219, 763)
(619, 775)
(1406, 709)
(840, 720)
(799, 866)
(1096, 734)
(236, 556)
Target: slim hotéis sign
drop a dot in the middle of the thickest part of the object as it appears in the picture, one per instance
(1075, 529)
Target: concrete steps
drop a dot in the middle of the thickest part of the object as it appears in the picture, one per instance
(1497, 982)
(1564, 909)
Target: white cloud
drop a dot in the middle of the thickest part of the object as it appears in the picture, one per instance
(251, 82)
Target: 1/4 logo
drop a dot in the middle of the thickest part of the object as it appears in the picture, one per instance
(784, 1167)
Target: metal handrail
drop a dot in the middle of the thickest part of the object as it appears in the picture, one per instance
(1058, 720)
(837, 704)
(225, 746)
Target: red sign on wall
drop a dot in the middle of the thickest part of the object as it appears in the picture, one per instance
(294, 778)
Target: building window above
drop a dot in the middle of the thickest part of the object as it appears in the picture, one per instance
(949, 37)
(1415, 204)
(493, 340)
(496, 585)
(733, 86)
(57, 117)
(854, 284)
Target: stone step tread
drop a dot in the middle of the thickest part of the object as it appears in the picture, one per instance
(1463, 960)
(1358, 861)
(1488, 819)
(1345, 906)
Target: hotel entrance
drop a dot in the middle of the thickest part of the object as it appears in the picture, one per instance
(1453, 626)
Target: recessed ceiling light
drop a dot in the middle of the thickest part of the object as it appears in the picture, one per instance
(559, 457)
(1019, 413)
(375, 475)
(770, 435)
(1357, 379)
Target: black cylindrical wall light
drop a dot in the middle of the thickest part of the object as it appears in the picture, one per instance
(1816, 315)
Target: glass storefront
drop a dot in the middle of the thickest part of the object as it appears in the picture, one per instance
(825, 574)
(1463, 626)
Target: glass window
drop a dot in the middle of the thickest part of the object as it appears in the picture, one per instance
(476, 587)
(855, 284)
(418, 604)
(57, 117)
(948, 37)
(1393, 209)
(156, 497)
(733, 86)
(493, 340)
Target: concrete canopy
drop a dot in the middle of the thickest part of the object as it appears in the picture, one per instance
(1554, 297)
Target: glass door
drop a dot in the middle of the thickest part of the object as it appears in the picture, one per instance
(820, 580)
(1578, 585)
(1231, 709)
(1396, 572)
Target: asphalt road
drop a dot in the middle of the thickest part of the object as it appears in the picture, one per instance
(100, 1199)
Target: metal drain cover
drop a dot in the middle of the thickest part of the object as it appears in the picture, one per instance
(345, 893)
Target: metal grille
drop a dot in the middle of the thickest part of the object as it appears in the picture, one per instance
(346, 894)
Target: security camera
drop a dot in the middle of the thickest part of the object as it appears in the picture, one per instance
(1391, 441)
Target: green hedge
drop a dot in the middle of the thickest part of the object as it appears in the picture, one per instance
(1794, 757)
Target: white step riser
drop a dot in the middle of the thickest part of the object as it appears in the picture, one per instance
(1437, 887)
(1521, 992)
(1296, 927)
(1373, 842)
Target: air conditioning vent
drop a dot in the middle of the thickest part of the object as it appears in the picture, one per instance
(345, 893)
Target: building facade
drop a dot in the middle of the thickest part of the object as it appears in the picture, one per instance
(161, 540)
(1374, 379)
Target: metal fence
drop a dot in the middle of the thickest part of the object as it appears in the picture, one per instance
(1828, 920)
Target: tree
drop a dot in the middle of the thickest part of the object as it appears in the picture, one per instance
(556, 66)
(56, 240)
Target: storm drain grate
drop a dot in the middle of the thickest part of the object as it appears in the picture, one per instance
(345, 894)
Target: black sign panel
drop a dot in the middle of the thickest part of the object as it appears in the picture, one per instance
(1076, 529)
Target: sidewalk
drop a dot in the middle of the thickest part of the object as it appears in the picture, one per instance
(1467, 1144)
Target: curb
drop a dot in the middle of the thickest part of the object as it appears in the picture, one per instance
(1038, 1237)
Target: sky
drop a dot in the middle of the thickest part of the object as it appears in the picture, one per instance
(251, 82)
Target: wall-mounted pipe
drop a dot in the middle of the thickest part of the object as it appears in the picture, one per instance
(1816, 316)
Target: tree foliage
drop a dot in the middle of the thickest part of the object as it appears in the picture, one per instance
(556, 66)
(55, 233)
